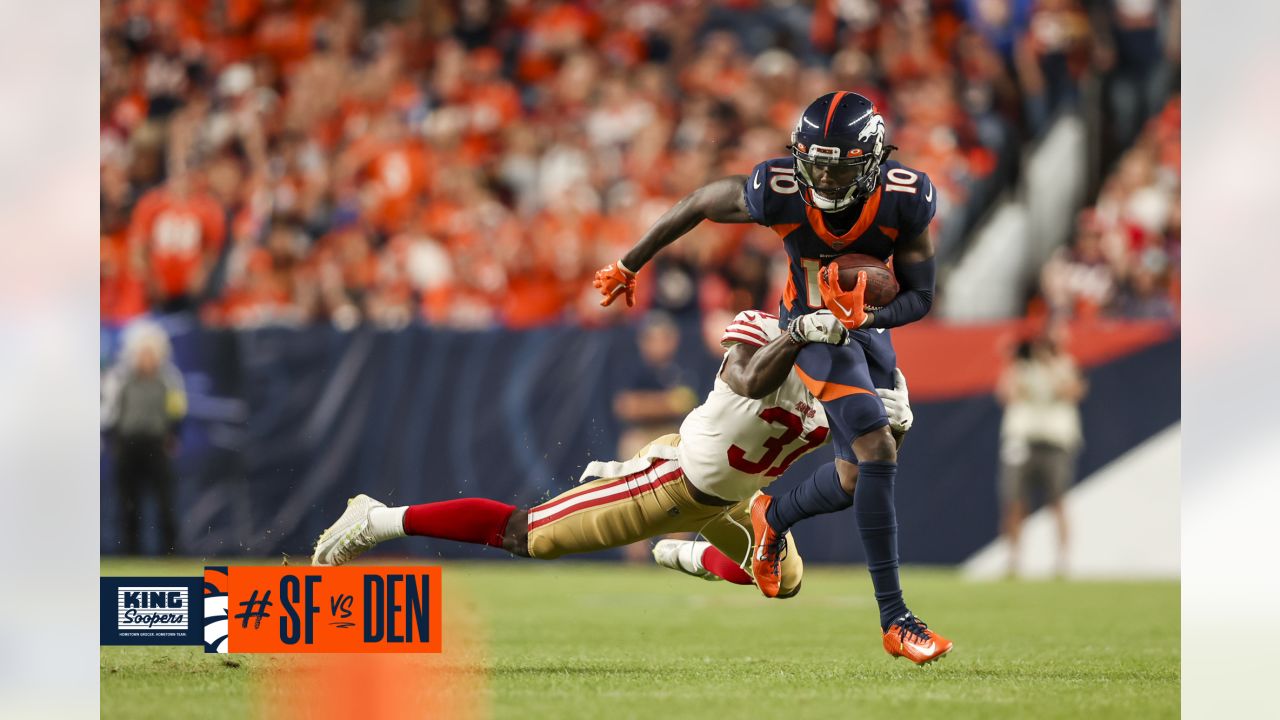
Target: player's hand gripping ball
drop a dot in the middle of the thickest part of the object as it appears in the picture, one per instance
(847, 306)
(881, 284)
(854, 284)
(820, 327)
(613, 280)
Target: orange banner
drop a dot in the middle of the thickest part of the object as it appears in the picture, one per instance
(322, 609)
(945, 361)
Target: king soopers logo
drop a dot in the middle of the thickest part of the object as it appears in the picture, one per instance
(152, 608)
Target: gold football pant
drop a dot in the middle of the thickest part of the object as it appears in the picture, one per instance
(612, 512)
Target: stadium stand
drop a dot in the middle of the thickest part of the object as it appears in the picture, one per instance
(1124, 260)
(469, 164)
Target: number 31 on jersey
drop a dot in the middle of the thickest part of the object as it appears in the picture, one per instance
(792, 428)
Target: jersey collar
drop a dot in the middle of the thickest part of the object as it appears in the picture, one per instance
(840, 242)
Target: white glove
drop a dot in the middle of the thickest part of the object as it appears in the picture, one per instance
(896, 403)
(820, 327)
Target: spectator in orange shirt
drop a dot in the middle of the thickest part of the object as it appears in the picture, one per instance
(121, 294)
(175, 235)
(393, 169)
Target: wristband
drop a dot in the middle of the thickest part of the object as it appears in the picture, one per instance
(793, 332)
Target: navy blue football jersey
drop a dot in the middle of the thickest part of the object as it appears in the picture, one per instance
(900, 208)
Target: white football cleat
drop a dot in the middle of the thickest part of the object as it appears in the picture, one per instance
(684, 556)
(350, 536)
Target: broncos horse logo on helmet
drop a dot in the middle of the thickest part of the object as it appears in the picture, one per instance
(838, 145)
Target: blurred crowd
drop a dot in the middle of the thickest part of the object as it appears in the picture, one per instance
(470, 163)
(1125, 258)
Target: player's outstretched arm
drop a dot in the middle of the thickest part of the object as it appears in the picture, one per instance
(755, 372)
(914, 266)
(722, 201)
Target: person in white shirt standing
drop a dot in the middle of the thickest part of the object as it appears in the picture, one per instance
(1040, 436)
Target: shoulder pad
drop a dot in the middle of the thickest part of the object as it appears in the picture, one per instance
(768, 189)
(914, 194)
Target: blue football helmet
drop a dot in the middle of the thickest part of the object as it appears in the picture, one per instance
(838, 145)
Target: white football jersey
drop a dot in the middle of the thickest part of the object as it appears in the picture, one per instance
(731, 446)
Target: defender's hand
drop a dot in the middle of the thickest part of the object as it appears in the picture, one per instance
(846, 305)
(820, 327)
(897, 404)
(613, 280)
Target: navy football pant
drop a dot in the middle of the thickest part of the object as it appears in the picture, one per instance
(845, 379)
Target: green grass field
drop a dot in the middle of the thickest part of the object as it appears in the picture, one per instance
(586, 640)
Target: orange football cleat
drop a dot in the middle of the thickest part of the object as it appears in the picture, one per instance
(771, 548)
(910, 638)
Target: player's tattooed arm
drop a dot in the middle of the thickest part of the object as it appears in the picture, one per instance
(722, 201)
(755, 372)
(914, 266)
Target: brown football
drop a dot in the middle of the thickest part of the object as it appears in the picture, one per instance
(882, 286)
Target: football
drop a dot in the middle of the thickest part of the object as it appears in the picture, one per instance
(882, 286)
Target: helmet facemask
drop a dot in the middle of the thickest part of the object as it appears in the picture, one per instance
(845, 180)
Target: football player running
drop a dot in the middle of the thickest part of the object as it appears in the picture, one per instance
(759, 418)
(836, 193)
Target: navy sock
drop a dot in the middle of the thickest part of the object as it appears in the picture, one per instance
(878, 526)
(818, 494)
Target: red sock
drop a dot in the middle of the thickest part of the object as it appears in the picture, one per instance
(472, 520)
(719, 564)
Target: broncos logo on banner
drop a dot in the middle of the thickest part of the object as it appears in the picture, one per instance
(215, 610)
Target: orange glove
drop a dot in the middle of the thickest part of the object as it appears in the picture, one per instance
(847, 306)
(612, 280)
